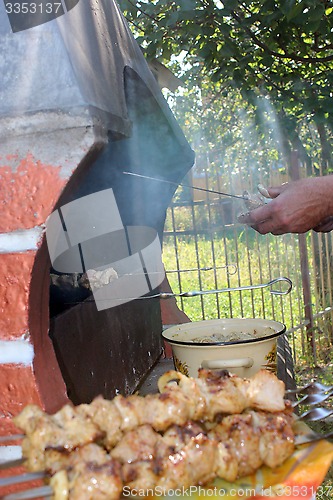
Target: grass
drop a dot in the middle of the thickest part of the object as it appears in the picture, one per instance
(257, 262)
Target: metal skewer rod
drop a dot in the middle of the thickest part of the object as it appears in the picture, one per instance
(196, 293)
(311, 388)
(221, 193)
(312, 438)
(22, 478)
(192, 269)
(12, 437)
(8, 464)
(315, 414)
(313, 399)
(210, 268)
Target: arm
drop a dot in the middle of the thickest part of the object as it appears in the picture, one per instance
(296, 207)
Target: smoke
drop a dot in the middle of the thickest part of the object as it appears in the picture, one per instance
(87, 236)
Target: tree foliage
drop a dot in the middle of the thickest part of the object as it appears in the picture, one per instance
(279, 52)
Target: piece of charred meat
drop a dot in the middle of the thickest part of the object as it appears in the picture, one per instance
(218, 391)
(181, 456)
(249, 440)
(56, 460)
(242, 440)
(137, 454)
(276, 436)
(186, 457)
(88, 474)
(66, 430)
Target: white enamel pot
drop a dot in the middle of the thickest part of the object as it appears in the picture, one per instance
(242, 357)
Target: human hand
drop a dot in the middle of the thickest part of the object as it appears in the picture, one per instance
(296, 207)
(325, 226)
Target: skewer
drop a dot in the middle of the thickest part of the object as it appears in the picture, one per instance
(8, 464)
(22, 478)
(313, 399)
(311, 388)
(13, 437)
(312, 438)
(315, 414)
(220, 193)
(197, 293)
(45, 491)
(209, 268)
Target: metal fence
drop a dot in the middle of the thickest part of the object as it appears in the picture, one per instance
(206, 249)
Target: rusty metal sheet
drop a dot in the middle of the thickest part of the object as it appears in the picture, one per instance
(106, 352)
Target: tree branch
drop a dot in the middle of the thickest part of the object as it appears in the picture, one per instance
(136, 6)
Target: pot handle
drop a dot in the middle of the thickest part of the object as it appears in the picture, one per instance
(213, 364)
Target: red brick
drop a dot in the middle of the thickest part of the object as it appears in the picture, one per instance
(18, 388)
(15, 277)
(28, 193)
(8, 428)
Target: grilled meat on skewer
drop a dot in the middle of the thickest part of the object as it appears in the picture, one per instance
(64, 431)
(90, 474)
(251, 440)
(182, 456)
(233, 394)
(277, 439)
(217, 425)
(187, 399)
(235, 447)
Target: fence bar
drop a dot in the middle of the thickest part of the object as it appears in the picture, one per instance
(304, 261)
(225, 250)
(197, 258)
(210, 219)
(175, 242)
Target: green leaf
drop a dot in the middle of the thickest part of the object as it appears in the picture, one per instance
(296, 11)
(224, 28)
(193, 29)
(171, 19)
(188, 14)
(187, 4)
(267, 60)
(328, 105)
(312, 26)
(317, 12)
(286, 6)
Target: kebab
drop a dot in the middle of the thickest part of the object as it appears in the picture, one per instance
(181, 399)
(217, 425)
